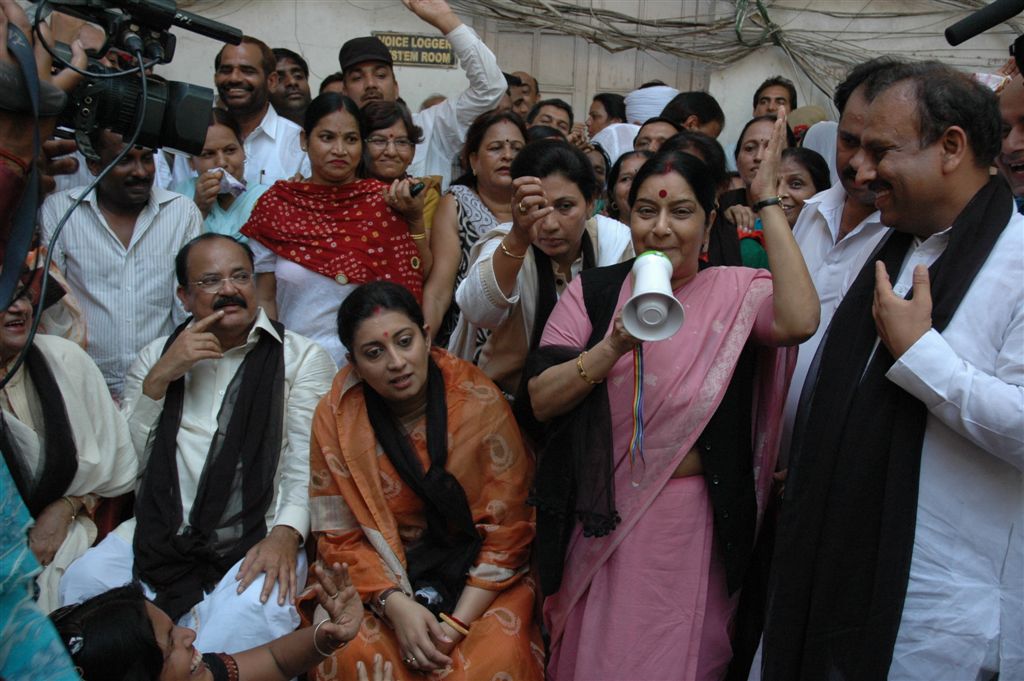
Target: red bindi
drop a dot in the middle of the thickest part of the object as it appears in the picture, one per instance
(663, 193)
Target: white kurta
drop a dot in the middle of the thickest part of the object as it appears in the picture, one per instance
(964, 610)
(107, 466)
(833, 264)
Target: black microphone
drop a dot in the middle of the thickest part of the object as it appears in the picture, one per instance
(982, 20)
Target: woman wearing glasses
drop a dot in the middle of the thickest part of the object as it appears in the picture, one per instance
(317, 240)
(389, 147)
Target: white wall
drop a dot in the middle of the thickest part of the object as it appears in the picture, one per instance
(316, 29)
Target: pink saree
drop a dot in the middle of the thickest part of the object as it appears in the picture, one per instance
(649, 600)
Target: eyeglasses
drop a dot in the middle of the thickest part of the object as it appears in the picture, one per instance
(381, 143)
(212, 283)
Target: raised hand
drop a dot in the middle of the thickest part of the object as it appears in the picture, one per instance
(766, 181)
(437, 13)
(339, 598)
(529, 207)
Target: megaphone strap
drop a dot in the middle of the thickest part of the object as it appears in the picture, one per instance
(636, 440)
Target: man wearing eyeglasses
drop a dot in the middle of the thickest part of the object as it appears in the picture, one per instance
(220, 415)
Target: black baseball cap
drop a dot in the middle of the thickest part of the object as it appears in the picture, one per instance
(358, 50)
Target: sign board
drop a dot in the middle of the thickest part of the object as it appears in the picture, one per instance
(413, 49)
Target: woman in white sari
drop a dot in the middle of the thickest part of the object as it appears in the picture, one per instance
(62, 438)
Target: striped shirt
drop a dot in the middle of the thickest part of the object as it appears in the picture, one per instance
(127, 294)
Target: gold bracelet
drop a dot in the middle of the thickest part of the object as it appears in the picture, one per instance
(509, 253)
(447, 619)
(418, 237)
(582, 371)
(74, 512)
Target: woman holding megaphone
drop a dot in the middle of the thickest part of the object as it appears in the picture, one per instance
(657, 457)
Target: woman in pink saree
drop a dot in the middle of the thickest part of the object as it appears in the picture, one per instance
(642, 556)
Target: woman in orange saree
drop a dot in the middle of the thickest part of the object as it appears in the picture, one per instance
(418, 482)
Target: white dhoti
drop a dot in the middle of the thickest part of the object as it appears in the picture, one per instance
(224, 621)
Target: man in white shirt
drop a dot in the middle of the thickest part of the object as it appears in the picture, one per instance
(368, 73)
(223, 409)
(117, 253)
(899, 551)
(837, 229)
(244, 76)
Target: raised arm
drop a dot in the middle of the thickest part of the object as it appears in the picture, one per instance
(446, 251)
(795, 305)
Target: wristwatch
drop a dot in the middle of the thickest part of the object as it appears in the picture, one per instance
(378, 602)
(764, 203)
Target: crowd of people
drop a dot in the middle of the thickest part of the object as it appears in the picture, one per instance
(351, 393)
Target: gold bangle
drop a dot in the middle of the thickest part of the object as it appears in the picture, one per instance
(582, 371)
(74, 512)
(509, 253)
(418, 237)
(446, 618)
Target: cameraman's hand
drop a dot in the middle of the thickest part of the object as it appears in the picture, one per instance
(56, 161)
(16, 128)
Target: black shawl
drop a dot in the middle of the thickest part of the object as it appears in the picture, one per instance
(846, 533)
(236, 487)
(575, 473)
(59, 462)
(440, 560)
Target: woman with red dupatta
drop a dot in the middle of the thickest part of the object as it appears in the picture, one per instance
(640, 553)
(317, 240)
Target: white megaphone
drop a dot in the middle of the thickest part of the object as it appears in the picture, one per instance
(652, 313)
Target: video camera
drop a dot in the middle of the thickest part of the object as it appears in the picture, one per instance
(175, 114)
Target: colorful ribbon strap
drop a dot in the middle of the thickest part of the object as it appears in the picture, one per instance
(636, 441)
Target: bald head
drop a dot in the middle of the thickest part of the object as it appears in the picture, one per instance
(526, 95)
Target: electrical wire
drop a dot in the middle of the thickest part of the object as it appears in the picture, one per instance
(143, 65)
(38, 310)
(718, 38)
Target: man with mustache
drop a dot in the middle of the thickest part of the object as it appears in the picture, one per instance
(899, 553)
(116, 251)
(368, 74)
(220, 414)
(290, 96)
(1011, 157)
(245, 75)
(837, 229)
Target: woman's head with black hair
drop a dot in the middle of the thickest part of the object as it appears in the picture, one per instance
(110, 636)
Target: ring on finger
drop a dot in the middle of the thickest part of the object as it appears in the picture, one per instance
(410, 660)
(522, 208)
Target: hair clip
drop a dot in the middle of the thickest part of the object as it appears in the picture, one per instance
(75, 644)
